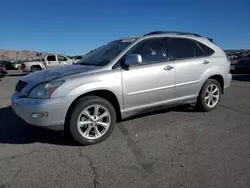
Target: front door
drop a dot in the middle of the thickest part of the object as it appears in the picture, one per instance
(152, 82)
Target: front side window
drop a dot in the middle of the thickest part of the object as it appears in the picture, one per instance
(51, 58)
(151, 50)
(61, 58)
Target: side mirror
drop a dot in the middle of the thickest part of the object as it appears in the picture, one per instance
(133, 59)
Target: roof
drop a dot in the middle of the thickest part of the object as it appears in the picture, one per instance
(167, 33)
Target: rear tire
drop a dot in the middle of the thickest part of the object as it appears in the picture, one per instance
(92, 120)
(209, 96)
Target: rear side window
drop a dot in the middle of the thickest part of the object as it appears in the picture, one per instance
(182, 48)
(151, 50)
(186, 48)
(51, 58)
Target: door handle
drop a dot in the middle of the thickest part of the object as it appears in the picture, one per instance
(168, 68)
(206, 62)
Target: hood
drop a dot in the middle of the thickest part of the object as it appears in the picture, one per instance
(53, 73)
(58, 72)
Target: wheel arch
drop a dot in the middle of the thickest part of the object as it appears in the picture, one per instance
(218, 77)
(36, 66)
(103, 93)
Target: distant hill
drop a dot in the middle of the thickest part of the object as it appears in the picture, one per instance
(9, 55)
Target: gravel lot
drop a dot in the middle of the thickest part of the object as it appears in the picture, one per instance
(178, 147)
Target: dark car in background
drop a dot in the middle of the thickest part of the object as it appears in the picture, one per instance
(6, 64)
(14, 66)
(243, 65)
(3, 71)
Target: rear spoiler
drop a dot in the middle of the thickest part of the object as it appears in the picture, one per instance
(211, 40)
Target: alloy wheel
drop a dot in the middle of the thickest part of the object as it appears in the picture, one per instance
(94, 121)
(212, 95)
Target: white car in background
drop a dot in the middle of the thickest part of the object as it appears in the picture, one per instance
(50, 61)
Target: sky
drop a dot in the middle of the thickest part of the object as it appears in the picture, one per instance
(75, 27)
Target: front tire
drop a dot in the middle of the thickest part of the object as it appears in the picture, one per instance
(92, 120)
(209, 96)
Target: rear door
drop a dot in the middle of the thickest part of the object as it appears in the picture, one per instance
(190, 63)
(51, 61)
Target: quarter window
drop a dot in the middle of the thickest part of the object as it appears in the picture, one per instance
(152, 50)
(207, 51)
(198, 51)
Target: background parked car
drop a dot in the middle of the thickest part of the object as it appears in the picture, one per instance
(6, 64)
(3, 71)
(243, 65)
(15, 65)
(50, 61)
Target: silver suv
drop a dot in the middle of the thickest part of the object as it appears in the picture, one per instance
(123, 78)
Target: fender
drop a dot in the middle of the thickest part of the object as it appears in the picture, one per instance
(107, 81)
(218, 70)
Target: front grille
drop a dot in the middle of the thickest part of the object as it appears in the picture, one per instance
(20, 85)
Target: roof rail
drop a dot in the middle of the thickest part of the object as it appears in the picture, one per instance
(172, 32)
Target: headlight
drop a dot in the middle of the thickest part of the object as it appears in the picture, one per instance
(45, 90)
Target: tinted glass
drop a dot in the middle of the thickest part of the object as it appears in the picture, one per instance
(61, 58)
(182, 48)
(198, 51)
(207, 51)
(152, 50)
(51, 58)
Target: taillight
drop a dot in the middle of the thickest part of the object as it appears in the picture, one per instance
(2, 67)
(22, 66)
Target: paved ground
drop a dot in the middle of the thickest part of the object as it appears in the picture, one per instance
(173, 148)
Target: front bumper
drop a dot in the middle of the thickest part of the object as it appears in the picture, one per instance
(54, 108)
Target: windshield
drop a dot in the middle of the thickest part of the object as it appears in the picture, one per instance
(104, 54)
